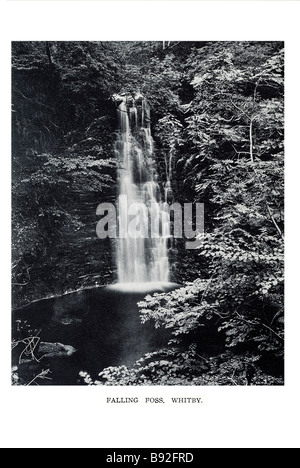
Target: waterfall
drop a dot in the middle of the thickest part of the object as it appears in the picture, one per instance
(141, 248)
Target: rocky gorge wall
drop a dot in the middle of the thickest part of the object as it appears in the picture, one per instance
(62, 168)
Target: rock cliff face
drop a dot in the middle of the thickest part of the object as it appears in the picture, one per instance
(56, 248)
(63, 167)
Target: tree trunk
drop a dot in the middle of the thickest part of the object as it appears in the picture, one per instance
(251, 140)
(48, 51)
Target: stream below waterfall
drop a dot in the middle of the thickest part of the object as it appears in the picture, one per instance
(87, 331)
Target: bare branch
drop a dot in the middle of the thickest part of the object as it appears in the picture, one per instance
(274, 221)
(251, 140)
(42, 375)
(273, 331)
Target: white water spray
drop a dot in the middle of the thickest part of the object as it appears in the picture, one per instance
(140, 260)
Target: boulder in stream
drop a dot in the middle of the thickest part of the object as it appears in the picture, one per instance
(53, 350)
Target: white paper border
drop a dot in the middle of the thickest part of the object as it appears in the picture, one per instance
(77, 417)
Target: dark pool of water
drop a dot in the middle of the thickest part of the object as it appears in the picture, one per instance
(102, 324)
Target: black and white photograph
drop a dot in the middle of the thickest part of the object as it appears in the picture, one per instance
(148, 213)
(149, 189)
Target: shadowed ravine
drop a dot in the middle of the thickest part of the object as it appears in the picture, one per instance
(136, 164)
(92, 329)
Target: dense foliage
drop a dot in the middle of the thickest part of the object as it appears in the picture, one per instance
(217, 122)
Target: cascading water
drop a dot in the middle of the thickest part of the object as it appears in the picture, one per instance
(142, 247)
